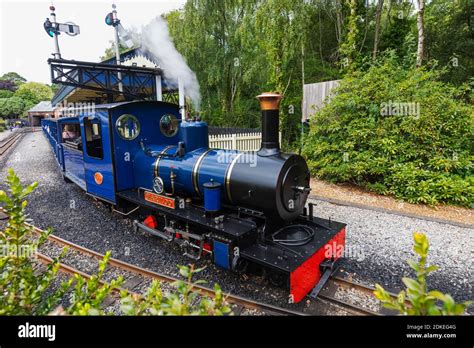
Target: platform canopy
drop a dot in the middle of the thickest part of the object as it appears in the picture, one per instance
(99, 82)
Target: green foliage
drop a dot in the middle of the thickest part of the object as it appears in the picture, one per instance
(89, 295)
(400, 34)
(14, 77)
(34, 92)
(421, 301)
(12, 107)
(183, 302)
(3, 125)
(110, 51)
(450, 39)
(348, 48)
(421, 157)
(22, 290)
(5, 93)
(241, 48)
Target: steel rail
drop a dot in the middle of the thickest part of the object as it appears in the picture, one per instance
(369, 290)
(9, 142)
(349, 307)
(12, 139)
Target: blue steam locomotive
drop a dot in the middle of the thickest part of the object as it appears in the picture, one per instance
(246, 210)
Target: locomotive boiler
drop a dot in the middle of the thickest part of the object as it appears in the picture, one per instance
(267, 181)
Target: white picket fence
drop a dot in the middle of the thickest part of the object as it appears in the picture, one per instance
(241, 142)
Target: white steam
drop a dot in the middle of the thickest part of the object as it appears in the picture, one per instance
(157, 41)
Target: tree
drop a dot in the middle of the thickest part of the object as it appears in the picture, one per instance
(110, 51)
(421, 33)
(5, 93)
(34, 92)
(13, 77)
(7, 85)
(348, 47)
(378, 16)
(55, 87)
(12, 107)
(449, 38)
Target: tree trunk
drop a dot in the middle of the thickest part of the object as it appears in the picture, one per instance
(378, 17)
(339, 21)
(421, 33)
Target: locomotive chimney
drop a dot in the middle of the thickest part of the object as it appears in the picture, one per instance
(270, 106)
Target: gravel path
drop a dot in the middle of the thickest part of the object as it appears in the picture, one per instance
(378, 243)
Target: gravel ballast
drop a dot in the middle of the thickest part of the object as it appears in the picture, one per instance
(378, 243)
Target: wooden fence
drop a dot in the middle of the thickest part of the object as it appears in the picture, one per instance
(241, 142)
(315, 95)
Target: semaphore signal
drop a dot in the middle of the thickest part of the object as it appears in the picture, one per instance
(112, 20)
(54, 29)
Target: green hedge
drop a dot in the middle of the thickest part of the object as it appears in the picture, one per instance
(421, 158)
(3, 125)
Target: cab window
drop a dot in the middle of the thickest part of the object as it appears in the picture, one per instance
(93, 134)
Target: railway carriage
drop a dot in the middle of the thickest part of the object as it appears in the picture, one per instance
(247, 211)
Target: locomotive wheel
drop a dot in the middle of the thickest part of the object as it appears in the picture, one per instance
(239, 265)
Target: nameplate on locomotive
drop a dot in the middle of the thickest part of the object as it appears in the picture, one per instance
(164, 201)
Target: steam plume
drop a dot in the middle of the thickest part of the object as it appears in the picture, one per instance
(157, 41)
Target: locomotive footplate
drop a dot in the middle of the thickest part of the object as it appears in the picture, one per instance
(301, 265)
(227, 225)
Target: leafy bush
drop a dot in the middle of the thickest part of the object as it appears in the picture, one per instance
(24, 291)
(364, 136)
(3, 125)
(89, 295)
(421, 301)
(183, 302)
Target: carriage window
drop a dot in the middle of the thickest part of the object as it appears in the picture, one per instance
(93, 133)
(128, 127)
(71, 135)
(169, 125)
(71, 131)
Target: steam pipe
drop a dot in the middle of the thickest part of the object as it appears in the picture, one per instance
(182, 105)
(159, 91)
(270, 106)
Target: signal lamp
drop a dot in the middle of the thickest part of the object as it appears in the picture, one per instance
(109, 19)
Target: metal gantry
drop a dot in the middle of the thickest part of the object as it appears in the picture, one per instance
(136, 82)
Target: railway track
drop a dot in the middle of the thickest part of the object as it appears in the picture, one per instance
(335, 284)
(135, 273)
(11, 140)
(241, 302)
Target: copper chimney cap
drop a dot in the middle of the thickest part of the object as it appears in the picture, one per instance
(270, 101)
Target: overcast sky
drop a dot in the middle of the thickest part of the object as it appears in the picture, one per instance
(25, 46)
